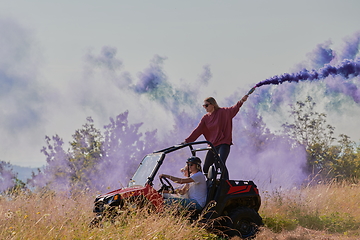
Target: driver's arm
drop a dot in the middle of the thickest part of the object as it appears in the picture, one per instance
(176, 179)
(184, 189)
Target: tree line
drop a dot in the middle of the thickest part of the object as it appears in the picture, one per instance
(96, 160)
(328, 158)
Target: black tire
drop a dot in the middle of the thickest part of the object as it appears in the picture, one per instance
(244, 222)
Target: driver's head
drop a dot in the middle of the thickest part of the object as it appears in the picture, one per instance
(194, 161)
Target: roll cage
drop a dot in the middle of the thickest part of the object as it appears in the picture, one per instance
(220, 168)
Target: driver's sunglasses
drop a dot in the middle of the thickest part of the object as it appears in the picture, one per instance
(191, 164)
(206, 105)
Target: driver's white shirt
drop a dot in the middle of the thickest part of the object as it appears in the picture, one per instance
(198, 189)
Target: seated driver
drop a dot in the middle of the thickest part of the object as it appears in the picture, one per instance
(196, 190)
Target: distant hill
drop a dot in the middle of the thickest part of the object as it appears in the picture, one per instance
(23, 172)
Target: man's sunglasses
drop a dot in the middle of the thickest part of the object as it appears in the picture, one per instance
(206, 105)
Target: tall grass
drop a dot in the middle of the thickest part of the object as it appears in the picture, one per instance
(50, 216)
(328, 208)
(329, 211)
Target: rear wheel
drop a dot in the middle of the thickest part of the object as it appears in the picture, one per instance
(244, 222)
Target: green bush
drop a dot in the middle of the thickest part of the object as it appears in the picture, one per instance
(278, 223)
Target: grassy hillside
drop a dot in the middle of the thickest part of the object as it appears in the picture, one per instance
(320, 212)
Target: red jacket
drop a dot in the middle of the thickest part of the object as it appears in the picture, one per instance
(216, 126)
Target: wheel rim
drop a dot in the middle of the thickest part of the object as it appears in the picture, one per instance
(245, 227)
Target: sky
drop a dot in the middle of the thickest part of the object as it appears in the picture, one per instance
(52, 54)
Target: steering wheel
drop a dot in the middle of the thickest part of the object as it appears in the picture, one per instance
(167, 185)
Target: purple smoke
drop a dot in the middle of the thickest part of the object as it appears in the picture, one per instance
(172, 112)
(152, 77)
(321, 55)
(7, 177)
(348, 68)
(105, 59)
(351, 48)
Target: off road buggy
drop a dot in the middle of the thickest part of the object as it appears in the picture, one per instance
(234, 202)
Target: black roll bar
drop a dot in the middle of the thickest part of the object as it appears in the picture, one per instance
(219, 163)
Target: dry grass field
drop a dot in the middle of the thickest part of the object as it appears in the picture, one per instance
(329, 211)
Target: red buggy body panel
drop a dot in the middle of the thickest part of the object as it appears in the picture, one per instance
(147, 193)
(239, 187)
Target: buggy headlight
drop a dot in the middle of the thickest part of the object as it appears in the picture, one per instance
(116, 197)
(113, 199)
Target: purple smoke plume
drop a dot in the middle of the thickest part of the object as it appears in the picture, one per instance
(348, 68)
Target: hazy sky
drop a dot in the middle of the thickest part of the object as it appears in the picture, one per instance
(45, 47)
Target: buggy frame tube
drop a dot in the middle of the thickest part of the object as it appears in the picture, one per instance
(219, 164)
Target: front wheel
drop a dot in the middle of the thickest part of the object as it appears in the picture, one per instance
(244, 222)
